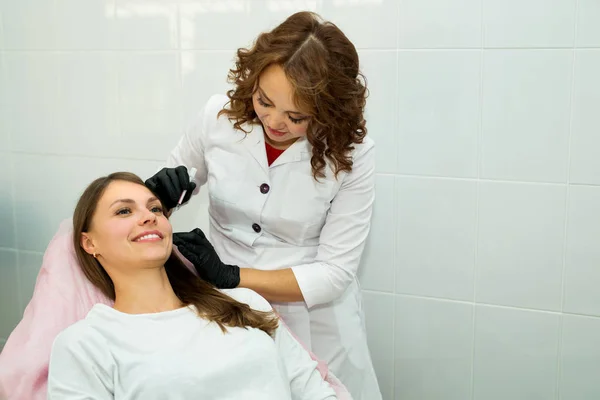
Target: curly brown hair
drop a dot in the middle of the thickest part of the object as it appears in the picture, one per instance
(323, 68)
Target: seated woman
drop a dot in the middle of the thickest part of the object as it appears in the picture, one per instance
(169, 334)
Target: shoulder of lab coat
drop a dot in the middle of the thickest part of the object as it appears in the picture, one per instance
(189, 151)
(344, 233)
(306, 381)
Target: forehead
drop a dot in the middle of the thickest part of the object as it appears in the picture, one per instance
(125, 190)
(276, 84)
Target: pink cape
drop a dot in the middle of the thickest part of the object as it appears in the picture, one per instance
(63, 296)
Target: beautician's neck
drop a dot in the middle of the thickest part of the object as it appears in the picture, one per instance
(147, 291)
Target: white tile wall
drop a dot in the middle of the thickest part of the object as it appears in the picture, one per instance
(35, 13)
(528, 23)
(433, 349)
(147, 25)
(381, 113)
(200, 82)
(520, 245)
(87, 91)
(380, 331)
(582, 274)
(202, 22)
(9, 293)
(149, 102)
(585, 165)
(588, 30)
(31, 91)
(94, 26)
(378, 263)
(440, 24)
(29, 264)
(525, 114)
(516, 354)
(370, 24)
(485, 114)
(579, 358)
(438, 112)
(436, 237)
(3, 100)
(7, 236)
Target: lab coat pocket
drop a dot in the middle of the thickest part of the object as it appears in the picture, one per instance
(226, 178)
(307, 202)
(226, 173)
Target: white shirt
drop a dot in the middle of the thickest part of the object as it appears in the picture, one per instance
(177, 355)
(318, 229)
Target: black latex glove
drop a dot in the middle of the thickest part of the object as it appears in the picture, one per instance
(197, 249)
(169, 183)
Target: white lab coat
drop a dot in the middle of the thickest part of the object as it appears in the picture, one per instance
(316, 228)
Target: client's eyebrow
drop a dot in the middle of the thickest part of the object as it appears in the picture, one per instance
(129, 201)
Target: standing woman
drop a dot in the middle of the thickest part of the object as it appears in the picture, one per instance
(290, 178)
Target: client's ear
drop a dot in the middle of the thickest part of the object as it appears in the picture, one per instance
(88, 244)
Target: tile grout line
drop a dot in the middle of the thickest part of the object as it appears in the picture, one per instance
(22, 250)
(2, 35)
(13, 190)
(95, 157)
(119, 61)
(180, 68)
(477, 203)
(396, 198)
(395, 275)
(566, 222)
(120, 50)
(491, 305)
(19, 284)
(491, 180)
(232, 50)
(475, 178)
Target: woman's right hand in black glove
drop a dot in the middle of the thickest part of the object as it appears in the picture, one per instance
(169, 183)
(197, 249)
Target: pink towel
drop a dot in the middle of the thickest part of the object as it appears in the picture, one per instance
(62, 296)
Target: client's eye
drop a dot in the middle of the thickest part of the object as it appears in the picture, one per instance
(123, 211)
(157, 209)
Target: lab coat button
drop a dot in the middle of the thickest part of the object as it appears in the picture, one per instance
(264, 188)
(256, 228)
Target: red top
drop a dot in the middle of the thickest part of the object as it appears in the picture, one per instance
(272, 153)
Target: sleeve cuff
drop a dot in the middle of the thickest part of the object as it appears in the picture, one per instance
(317, 284)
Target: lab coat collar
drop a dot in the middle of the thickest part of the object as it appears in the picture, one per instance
(255, 143)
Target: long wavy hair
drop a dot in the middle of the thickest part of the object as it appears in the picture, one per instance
(211, 304)
(322, 66)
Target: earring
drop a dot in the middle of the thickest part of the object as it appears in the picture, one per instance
(95, 255)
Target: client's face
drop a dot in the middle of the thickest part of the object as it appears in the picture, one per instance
(129, 228)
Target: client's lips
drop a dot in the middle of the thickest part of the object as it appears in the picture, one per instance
(148, 236)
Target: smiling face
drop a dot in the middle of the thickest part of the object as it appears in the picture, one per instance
(128, 229)
(274, 105)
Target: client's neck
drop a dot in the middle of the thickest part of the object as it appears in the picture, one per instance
(145, 291)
